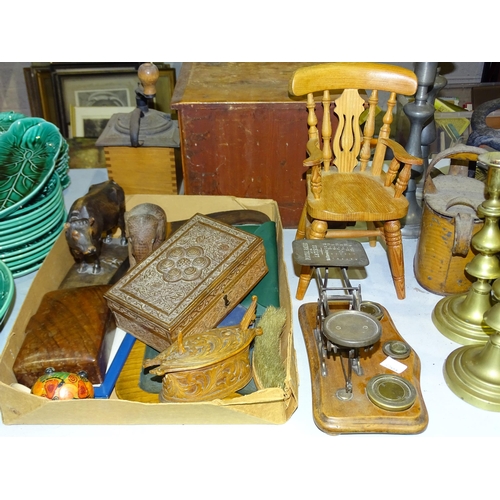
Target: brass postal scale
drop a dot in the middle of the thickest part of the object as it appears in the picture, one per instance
(365, 377)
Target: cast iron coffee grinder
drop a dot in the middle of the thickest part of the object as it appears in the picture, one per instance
(140, 147)
(143, 127)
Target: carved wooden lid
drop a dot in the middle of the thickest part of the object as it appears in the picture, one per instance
(195, 264)
(206, 349)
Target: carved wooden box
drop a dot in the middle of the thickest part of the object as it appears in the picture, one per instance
(210, 365)
(72, 330)
(189, 284)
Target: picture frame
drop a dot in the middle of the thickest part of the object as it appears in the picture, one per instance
(54, 88)
(90, 121)
(41, 95)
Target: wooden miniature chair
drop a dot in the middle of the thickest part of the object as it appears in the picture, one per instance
(345, 184)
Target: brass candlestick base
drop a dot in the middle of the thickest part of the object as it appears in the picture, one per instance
(460, 317)
(473, 374)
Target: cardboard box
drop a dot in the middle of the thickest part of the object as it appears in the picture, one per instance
(267, 406)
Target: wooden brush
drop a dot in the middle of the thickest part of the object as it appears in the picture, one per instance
(268, 369)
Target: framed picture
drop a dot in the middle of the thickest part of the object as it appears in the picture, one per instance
(87, 85)
(41, 93)
(90, 121)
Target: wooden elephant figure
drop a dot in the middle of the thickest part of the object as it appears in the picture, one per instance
(146, 226)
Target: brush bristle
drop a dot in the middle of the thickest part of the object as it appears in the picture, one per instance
(267, 363)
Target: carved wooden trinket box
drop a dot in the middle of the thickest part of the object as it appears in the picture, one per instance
(189, 284)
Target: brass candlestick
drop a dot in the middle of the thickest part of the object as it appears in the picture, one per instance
(473, 372)
(461, 317)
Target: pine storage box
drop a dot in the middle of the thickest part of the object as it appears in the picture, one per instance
(267, 406)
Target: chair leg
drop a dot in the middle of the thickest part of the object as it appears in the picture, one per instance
(317, 232)
(301, 228)
(394, 242)
(372, 239)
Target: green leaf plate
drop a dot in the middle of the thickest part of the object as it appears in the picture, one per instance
(28, 154)
(7, 118)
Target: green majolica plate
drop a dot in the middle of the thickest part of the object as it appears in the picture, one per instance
(45, 241)
(28, 154)
(51, 189)
(41, 249)
(7, 118)
(35, 232)
(6, 290)
(27, 270)
(14, 223)
(29, 226)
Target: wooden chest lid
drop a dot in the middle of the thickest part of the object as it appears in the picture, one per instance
(180, 274)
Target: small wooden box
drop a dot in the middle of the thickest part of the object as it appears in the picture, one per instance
(72, 330)
(145, 170)
(190, 283)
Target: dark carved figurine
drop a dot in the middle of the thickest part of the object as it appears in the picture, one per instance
(93, 217)
(146, 226)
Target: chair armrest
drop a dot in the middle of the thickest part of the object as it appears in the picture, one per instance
(396, 173)
(314, 161)
(400, 152)
(315, 154)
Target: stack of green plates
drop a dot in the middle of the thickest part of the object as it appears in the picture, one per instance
(32, 213)
(27, 236)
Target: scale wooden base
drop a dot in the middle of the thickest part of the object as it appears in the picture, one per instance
(359, 414)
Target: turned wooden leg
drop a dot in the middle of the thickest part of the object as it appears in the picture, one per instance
(301, 228)
(394, 242)
(372, 239)
(317, 232)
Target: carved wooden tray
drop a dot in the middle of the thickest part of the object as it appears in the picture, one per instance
(359, 415)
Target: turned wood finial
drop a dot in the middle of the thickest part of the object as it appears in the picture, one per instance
(148, 75)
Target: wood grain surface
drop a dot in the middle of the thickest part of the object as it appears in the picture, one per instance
(359, 415)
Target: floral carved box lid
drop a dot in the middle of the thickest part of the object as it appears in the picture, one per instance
(190, 283)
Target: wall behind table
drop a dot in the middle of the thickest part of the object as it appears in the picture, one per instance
(13, 93)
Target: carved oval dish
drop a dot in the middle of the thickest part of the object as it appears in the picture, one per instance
(29, 150)
(206, 366)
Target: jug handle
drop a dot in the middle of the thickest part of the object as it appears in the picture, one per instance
(463, 234)
(460, 151)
